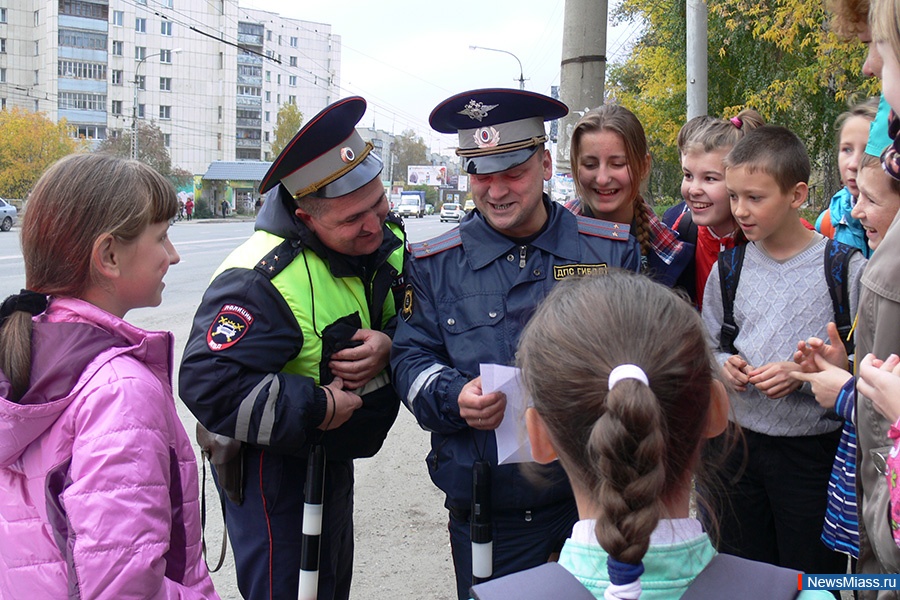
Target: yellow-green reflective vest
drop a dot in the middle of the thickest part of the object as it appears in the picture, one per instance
(307, 282)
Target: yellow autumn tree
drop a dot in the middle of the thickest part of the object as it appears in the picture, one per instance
(29, 143)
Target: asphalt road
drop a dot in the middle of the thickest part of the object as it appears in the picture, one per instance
(402, 548)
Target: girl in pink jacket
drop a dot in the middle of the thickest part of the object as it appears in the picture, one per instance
(98, 482)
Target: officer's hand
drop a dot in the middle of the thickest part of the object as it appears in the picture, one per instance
(480, 410)
(357, 366)
(341, 409)
(774, 379)
(734, 371)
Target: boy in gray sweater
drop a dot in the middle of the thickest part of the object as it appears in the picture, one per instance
(770, 504)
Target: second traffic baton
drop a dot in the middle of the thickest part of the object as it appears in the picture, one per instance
(314, 491)
(480, 529)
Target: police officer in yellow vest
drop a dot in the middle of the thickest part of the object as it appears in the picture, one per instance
(290, 347)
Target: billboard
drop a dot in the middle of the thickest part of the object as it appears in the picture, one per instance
(426, 175)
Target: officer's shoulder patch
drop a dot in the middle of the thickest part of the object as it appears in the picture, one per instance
(604, 229)
(407, 310)
(445, 241)
(230, 325)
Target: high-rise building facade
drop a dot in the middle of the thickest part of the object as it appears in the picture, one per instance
(210, 74)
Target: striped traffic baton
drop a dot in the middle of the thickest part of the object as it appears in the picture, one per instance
(314, 492)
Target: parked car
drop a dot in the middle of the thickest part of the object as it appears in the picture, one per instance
(470, 206)
(8, 215)
(451, 211)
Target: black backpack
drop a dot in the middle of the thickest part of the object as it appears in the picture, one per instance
(837, 266)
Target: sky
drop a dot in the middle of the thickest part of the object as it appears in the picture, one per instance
(406, 56)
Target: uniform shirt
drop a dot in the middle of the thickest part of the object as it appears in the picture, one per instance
(470, 295)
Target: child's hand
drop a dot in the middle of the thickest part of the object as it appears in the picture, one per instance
(834, 353)
(735, 372)
(774, 379)
(827, 380)
(880, 382)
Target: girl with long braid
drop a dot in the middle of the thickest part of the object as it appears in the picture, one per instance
(627, 417)
(611, 163)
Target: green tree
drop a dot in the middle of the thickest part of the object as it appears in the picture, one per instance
(778, 57)
(409, 149)
(151, 147)
(29, 143)
(287, 123)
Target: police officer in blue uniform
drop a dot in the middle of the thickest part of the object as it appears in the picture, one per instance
(290, 347)
(469, 294)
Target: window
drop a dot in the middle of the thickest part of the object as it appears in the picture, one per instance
(140, 53)
(165, 28)
(90, 131)
(292, 80)
(221, 60)
(77, 38)
(268, 36)
(268, 75)
(293, 41)
(278, 99)
(141, 82)
(278, 79)
(144, 2)
(167, 139)
(37, 21)
(167, 3)
(2, 103)
(165, 56)
(81, 70)
(220, 113)
(2, 74)
(37, 77)
(37, 47)
(268, 96)
(218, 140)
(78, 8)
(279, 40)
(118, 18)
(248, 90)
(82, 101)
(2, 15)
(292, 99)
(118, 48)
(165, 112)
(268, 120)
(140, 111)
(116, 107)
(2, 45)
(267, 136)
(118, 77)
(165, 84)
(293, 61)
(140, 25)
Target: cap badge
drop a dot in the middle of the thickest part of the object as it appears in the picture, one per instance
(477, 110)
(486, 137)
(347, 154)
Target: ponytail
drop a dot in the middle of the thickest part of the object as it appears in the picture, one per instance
(15, 339)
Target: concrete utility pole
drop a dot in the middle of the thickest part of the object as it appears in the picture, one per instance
(583, 67)
(697, 59)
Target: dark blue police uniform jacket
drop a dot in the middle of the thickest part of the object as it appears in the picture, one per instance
(473, 291)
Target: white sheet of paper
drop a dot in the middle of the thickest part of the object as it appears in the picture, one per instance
(512, 436)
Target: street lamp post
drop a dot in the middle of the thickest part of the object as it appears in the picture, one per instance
(521, 75)
(134, 105)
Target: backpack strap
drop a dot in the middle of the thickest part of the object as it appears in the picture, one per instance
(738, 578)
(686, 228)
(549, 580)
(730, 263)
(837, 269)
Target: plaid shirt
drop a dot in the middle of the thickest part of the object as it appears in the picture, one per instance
(664, 241)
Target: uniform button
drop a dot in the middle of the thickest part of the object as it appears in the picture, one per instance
(492, 315)
(537, 272)
(451, 321)
(510, 258)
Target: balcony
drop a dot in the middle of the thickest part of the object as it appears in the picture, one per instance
(254, 123)
(249, 80)
(248, 142)
(249, 101)
(249, 39)
(249, 59)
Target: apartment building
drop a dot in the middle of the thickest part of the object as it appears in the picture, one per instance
(210, 74)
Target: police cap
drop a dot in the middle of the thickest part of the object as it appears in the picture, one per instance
(327, 158)
(498, 128)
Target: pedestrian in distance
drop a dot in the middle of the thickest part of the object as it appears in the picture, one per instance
(288, 355)
(98, 481)
(189, 208)
(627, 418)
(469, 295)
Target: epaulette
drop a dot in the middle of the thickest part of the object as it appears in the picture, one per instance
(604, 229)
(445, 241)
(278, 258)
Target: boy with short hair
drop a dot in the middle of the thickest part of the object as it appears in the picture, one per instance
(773, 490)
